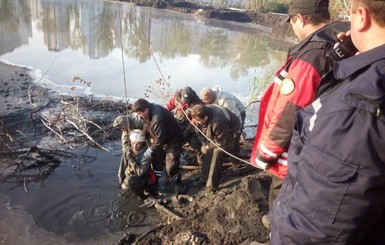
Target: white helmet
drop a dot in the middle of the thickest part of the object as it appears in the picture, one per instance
(137, 135)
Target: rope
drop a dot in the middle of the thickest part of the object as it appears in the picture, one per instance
(168, 86)
(150, 50)
(122, 54)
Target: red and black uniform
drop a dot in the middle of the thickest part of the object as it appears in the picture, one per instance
(296, 85)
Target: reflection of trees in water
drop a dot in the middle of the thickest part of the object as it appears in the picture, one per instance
(135, 43)
(213, 49)
(176, 41)
(76, 39)
(105, 30)
(218, 48)
(252, 52)
(13, 13)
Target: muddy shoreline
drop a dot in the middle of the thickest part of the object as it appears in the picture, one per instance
(232, 216)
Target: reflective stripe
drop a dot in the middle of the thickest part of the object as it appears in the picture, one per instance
(316, 106)
(283, 162)
(158, 173)
(261, 164)
(283, 159)
(278, 79)
(267, 151)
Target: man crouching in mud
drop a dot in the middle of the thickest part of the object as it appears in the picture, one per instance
(166, 140)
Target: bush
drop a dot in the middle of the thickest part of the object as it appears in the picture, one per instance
(276, 7)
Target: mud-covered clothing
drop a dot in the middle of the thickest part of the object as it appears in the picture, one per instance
(230, 102)
(136, 122)
(220, 127)
(138, 174)
(295, 86)
(334, 190)
(166, 140)
(188, 130)
(183, 122)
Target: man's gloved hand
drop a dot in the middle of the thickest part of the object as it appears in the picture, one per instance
(147, 153)
(263, 162)
(204, 149)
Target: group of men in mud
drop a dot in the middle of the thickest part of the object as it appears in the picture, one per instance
(321, 130)
(153, 136)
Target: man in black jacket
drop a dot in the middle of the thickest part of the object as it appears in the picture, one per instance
(220, 126)
(165, 136)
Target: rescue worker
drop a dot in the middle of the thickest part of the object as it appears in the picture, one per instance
(296, 85)
(138, 174)
(217, 97)
(334, 190)
(126, 123)
(181, 103)
(166, 138)
(220, 125)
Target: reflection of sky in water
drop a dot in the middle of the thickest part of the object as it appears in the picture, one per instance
(207, 43)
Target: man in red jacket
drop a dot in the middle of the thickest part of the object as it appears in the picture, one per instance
(296, 85)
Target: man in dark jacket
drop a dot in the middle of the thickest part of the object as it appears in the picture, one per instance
(181, 103)
(166, 138)
(220, 126)
(334, 192)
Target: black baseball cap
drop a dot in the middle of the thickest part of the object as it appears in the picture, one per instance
(306, 7)
(187, 94)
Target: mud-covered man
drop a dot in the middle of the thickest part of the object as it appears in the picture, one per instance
(138, 174)
(126, 123)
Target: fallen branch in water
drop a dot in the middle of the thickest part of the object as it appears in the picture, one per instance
(61, 137)
(86, 134)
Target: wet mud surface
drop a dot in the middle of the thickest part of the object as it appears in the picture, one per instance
(230, 216)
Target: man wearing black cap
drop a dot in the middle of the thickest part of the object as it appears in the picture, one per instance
(296, 84)
(334, 190)
(181, 103)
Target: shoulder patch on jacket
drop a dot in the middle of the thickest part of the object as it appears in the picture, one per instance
(287, 86)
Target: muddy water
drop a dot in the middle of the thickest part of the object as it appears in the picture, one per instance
(79, 203)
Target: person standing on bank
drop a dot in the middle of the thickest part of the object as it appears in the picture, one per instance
(296, 85)
(166, 139)
(220, 125)
(334, 192)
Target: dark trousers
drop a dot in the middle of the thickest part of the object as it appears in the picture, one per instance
(211, 168)
(196, 144)
(275, 186)
(168, 156)
(136, 185)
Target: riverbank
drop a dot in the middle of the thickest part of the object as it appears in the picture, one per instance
(231, 216)
(269, 20)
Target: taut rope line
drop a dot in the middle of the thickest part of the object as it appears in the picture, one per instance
(168, 86)
(122, 55)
